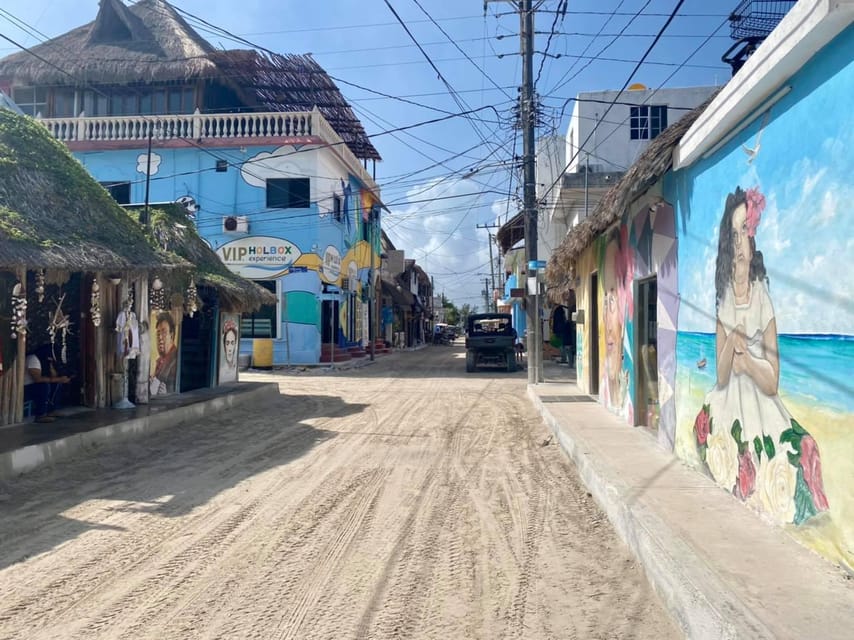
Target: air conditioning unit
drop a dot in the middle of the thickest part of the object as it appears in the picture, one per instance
(235, 224)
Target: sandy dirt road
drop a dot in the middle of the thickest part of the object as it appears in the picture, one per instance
(405, 499)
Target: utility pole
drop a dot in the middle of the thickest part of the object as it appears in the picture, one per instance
(526, 111)
(486, 294)
(494, 305)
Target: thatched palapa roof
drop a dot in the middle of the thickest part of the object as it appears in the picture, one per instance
(295, 83)
(652, 164)
(171, 230)
(54, 215)
(146, 42)
(150, 42)
(511, 232)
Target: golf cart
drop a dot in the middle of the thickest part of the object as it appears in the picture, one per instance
(490, 340)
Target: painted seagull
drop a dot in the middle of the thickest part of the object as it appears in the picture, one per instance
(752, 153)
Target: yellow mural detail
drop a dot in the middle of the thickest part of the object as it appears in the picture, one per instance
(367, 203)
(310, 261)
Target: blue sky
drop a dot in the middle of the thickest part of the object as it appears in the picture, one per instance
(363, 43)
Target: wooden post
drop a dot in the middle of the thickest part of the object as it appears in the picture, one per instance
(143, 360)
(100, 343)
(21, 360)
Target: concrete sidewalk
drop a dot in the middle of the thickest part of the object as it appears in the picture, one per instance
(28, 445)
(720, 570)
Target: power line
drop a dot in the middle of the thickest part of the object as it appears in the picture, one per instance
(454, 42)
(457, 99)
(560, 83)
(243, 163)
(667, 79)
(619, 93)
(560, 14)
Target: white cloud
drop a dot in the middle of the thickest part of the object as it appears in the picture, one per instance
(811, 179)
(827, 210)
(442, 236)
(281, 163)
(142, 163)
(772, 239)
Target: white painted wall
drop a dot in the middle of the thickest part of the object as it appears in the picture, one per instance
(610, 147)
(551, 161)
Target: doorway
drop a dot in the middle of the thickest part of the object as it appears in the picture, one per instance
(329, 321)
(198, 340)
(646, 331)
(593, 334)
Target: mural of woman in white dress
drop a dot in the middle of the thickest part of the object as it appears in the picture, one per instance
(747, 439)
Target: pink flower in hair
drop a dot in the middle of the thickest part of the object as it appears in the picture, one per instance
(755, 207)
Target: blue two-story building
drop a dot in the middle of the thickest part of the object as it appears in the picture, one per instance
(263, 151)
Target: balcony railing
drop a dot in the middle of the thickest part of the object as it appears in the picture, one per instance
(240, 127)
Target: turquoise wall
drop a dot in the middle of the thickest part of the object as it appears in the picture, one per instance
(767, 301)
(321, 248)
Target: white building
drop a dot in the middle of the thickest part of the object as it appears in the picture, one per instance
(597, 149)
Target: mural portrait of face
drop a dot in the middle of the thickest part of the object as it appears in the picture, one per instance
(741, 245)
(613, 310)
(229, 344)
(613, 336)
(165, 333)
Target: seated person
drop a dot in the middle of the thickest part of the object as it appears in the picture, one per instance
(42, 384)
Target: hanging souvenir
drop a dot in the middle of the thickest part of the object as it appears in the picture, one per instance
(157, 299)
(127, 329)
(19, 308)
(95, 303)
(40, 285)
(192, 299)
(60, 323)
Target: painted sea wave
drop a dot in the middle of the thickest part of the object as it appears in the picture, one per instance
(817, 369)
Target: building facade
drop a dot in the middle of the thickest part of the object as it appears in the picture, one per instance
(263, 151)
(712, 314)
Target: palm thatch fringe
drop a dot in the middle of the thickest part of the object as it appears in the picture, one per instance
(653, 163)
(173, 232)
(295, 83)
(150, 42)
(54, 215)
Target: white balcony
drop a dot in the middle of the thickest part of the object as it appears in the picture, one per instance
(241, 128)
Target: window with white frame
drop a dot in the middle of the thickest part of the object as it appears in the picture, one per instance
(31, 100)
(647, 121)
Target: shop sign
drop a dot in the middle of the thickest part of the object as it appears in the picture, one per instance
(331, 268)
(258, 257)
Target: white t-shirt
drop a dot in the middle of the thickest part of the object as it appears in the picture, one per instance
(33, 362)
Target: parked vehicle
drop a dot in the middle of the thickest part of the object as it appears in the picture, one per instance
(444, 333)
(490, 340)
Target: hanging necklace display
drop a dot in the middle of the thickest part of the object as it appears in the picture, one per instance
(40, 285)
(19, 306)
(95, 303)
(157, 299)
(192, 298)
